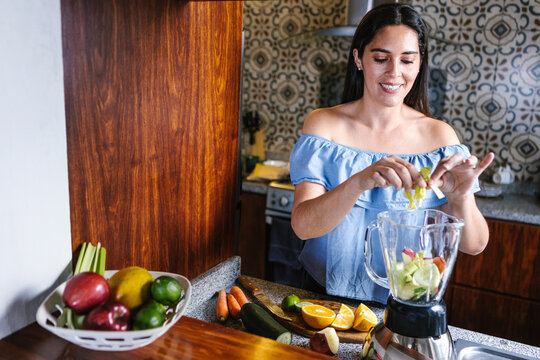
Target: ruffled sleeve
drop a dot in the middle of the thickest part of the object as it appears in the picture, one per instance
(321, 161)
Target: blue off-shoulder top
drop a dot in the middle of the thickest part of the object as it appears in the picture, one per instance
(336, 260)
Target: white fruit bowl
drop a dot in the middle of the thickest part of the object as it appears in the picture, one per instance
(51, 308)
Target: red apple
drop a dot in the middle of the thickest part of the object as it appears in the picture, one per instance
(440, 263)
(325, 341)
(85, 291)
(110, 316)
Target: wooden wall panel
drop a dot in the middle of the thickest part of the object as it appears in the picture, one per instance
(499, 315)
(152, 108)
(509, 264)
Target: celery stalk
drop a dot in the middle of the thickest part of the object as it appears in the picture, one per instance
(88, 257)
(101, 262)
(80, 259)
(94, 265)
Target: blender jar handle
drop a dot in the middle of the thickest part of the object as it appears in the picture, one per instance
(368, 256)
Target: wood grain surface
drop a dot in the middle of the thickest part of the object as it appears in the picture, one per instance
(152, 110)
(494, 314)
(188, 339)
(510, 264)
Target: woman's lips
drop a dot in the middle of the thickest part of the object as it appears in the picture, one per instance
(390, 88)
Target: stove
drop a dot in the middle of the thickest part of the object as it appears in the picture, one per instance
(279, 200)
(284, 246)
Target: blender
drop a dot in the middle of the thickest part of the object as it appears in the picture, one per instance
(419, 248)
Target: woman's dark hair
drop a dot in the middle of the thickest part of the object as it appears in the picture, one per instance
(373, 21)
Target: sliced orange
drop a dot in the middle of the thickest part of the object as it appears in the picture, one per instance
(317, 316)
(344, 319)
(364, 318)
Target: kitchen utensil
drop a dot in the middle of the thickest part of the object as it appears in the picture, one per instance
(252, 122)
(269, 304)
(52, 307)
(296, 323)
(419, 248)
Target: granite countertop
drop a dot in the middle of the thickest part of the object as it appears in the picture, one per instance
(224, 275)
(518, 202)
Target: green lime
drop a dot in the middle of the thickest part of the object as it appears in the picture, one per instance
(289, 302)
(157, 306)
(148, 317)
(298, 306)
(166, 290)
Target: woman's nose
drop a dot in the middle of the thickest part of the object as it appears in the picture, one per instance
(393, 68)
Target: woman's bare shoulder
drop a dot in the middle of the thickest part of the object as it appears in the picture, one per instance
(324, 121)
(441, 133)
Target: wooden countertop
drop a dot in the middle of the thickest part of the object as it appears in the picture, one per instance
(189, 338)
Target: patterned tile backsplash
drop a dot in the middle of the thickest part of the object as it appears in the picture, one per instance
(485, 71)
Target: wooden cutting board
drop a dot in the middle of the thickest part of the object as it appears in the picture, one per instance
(296, 323)
(299, 326)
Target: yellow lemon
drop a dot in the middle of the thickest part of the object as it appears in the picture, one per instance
(317, 316)
(344, 319)
(131, 286)
(364, 318)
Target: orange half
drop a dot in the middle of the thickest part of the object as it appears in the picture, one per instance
(318, 316)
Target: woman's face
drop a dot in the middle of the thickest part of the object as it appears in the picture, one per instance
(390, 63)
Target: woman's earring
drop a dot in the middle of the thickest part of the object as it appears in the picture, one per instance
(359, 68)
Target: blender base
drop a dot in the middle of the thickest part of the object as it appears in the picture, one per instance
(410, 332)
(383, 344)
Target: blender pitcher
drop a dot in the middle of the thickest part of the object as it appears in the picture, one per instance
(419, 249)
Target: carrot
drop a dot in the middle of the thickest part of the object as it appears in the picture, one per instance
(234, 307)
(222, 310)
(239, 295)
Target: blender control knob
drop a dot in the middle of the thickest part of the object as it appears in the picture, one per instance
(283, 200)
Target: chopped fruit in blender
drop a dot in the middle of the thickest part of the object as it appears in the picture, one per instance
(408, 255)
(415, 277)
(440, 262)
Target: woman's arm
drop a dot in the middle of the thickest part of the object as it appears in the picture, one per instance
(316, 211)
(455, 177)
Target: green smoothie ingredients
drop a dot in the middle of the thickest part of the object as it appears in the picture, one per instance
(420, 193)
(417, 276)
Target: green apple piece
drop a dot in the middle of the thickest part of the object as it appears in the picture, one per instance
(405, 291)
(427, 277)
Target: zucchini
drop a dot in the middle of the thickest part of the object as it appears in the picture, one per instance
(259, 322)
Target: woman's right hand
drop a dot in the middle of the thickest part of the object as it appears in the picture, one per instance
(389, 171)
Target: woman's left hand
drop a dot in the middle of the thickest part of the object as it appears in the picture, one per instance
(455, 176)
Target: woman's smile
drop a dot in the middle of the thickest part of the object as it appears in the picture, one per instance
(390, 87)
(390, 64)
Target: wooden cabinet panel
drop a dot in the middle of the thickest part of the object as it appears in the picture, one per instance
(252, 236)
(152, 116)
(510, 263)
(495, 314)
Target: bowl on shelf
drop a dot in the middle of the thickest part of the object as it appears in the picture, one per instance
(52, 307)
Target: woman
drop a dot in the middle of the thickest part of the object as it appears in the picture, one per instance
(353, 160)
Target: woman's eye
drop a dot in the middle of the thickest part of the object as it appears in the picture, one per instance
(407, 61)
(378, 60)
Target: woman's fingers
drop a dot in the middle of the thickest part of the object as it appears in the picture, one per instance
(399, 173)
(486, 161)
(446, 163)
